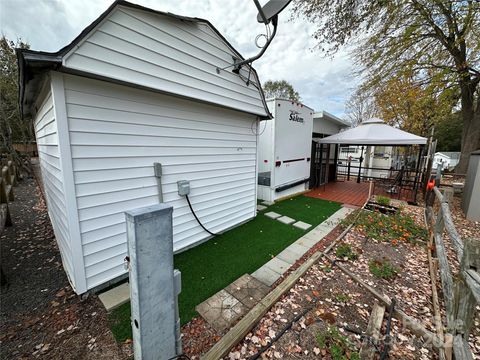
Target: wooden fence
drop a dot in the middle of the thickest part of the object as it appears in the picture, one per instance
(7, 182)
(461, 292)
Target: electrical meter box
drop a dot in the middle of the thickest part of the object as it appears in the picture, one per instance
(183, 187)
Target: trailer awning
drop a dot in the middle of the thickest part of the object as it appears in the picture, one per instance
(374, 132)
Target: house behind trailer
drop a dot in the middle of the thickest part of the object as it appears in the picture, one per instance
(139, 87)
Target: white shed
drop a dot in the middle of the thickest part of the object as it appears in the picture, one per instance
(284, 150)
(446, 159)
(137, 87)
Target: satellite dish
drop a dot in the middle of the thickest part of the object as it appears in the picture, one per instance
(270, 10)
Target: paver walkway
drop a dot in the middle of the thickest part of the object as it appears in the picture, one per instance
(274, 269)
(230, 304)
(227, 306)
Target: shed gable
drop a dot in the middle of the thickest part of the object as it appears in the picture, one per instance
(167, 54)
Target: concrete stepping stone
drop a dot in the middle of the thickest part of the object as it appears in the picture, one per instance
(261, 207)
(308, 242)
(323, 229)
(302, 225)
(318, 233)
(292, 253)
(248, 290)
(267, 203)
(221, 310)
(266, 275)
(286, 220)
(272, 215)
(115, 297)
(277, 265)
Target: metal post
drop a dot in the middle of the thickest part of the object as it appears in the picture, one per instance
(157, 168)
(438, 176)
(348, 169)
(336, 161)
(152, 288)
(417, 169)
(360, 166)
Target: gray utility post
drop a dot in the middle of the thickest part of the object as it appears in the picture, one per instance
(153, 288)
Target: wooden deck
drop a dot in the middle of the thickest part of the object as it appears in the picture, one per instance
(351, 193)
(348, 192)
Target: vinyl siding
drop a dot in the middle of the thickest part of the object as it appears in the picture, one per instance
(49, 155)
(167, 54)
(117, 133)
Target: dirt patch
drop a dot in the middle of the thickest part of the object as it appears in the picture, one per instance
(41, 317)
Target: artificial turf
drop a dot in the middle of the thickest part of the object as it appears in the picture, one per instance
(211, 266)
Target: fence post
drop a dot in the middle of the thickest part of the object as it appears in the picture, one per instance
(152, 284)
(464, 299)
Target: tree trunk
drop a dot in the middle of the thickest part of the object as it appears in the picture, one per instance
(471, 126)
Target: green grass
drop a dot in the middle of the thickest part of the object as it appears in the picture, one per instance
(211, 266)
(310, 210)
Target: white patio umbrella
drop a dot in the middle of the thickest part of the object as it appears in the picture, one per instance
(374, 132)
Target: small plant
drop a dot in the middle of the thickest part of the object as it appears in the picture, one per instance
(345, 251)
(383, 269)
(343, 298)
(383, 200)
(339, 346)
(390, 228)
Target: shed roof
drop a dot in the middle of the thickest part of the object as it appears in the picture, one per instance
(33, 65)
(374, 132)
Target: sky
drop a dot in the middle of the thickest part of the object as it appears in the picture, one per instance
(323, 83)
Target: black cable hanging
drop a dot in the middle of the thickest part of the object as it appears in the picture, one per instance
(198, 220)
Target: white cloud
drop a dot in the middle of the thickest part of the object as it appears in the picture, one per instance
(323, 83)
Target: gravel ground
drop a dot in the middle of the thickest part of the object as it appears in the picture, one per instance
(40, 315)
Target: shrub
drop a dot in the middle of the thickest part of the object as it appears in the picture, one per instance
(383, 269)
(345, 251)
(383, 200)
(339, 346)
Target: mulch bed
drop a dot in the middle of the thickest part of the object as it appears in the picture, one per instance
(40, 315)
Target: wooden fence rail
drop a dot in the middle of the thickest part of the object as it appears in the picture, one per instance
(461, 292)
(7, 181)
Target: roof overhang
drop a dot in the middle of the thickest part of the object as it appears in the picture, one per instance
(328, 116)
(272, 99)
